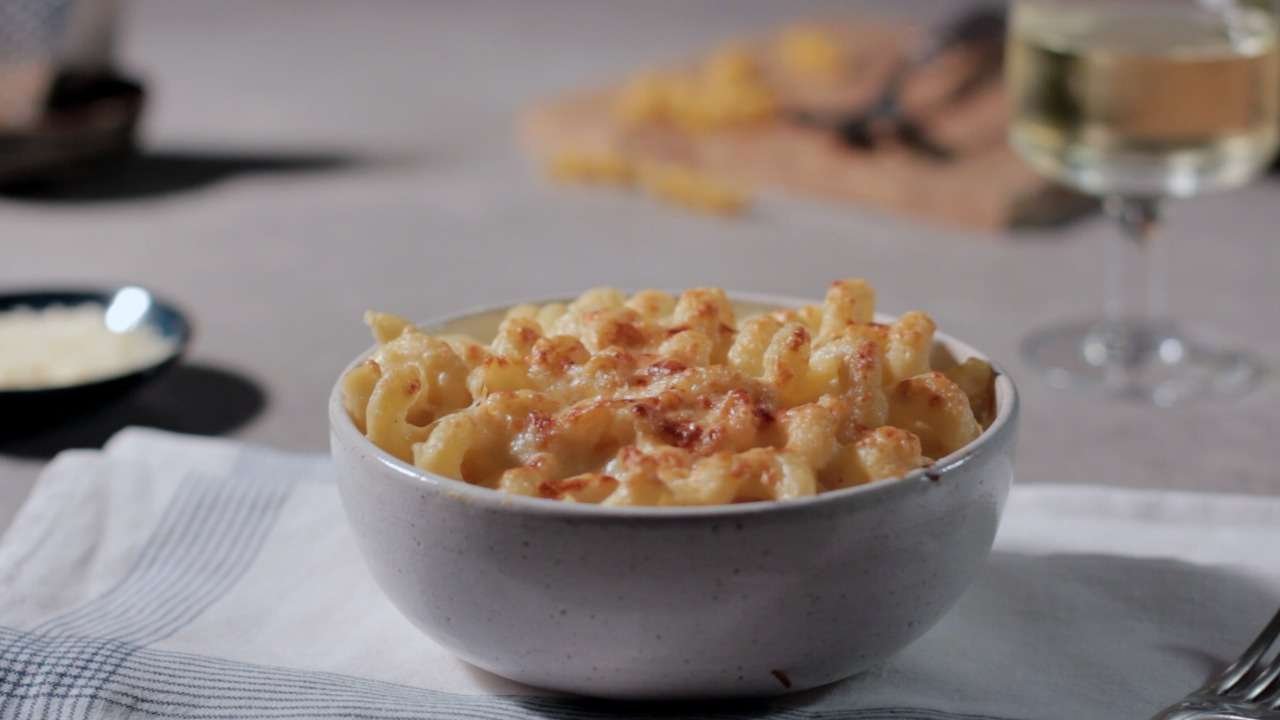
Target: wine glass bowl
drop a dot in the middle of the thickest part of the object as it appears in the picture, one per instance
(1135, 102)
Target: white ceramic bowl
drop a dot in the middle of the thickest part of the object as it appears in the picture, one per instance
(748, 599)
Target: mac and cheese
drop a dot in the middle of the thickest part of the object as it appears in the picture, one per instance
(659, 400)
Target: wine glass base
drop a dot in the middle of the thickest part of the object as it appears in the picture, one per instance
(1146, 362)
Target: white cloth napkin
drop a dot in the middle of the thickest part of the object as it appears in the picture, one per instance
(176, 577)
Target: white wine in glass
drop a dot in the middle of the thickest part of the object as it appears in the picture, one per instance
(1135, 101)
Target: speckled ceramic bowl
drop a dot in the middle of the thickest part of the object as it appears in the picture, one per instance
(748, 599)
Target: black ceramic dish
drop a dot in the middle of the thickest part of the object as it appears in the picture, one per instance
(32, 409)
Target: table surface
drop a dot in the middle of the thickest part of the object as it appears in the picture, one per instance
(309, 159)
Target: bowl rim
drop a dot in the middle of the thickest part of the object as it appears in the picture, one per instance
(343, 430)
(81, 294)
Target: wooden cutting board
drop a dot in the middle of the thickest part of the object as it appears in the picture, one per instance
(984, 186)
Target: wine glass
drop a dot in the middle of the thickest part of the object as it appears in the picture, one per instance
(1136, 101)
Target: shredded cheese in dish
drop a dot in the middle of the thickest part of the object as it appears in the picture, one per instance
(659, 400)
(67, 345)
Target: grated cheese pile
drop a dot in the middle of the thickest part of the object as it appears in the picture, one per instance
(66, 345)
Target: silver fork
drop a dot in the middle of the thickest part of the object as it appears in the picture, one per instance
(1248, 689)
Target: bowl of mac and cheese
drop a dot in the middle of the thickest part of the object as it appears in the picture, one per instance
(658, 495)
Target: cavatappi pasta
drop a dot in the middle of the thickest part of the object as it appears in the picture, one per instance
(659, 400)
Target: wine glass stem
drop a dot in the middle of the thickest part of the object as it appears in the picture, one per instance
(1134, 312)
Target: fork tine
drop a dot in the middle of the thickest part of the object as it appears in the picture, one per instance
(1236, 672)
(1258, 689)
